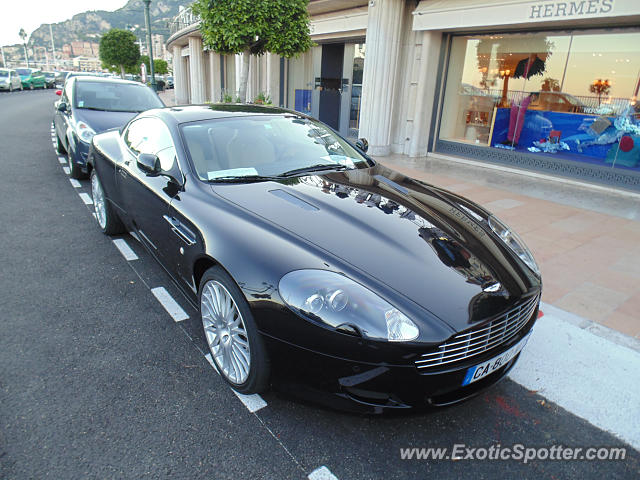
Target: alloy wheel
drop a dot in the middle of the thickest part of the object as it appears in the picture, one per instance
(98, 201)
(225, 332)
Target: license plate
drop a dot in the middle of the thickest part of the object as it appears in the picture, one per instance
(478, 372)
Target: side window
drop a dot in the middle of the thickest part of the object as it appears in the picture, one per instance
(151, 135)
(66, 93)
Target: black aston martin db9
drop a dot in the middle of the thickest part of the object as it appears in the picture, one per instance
(317, 270)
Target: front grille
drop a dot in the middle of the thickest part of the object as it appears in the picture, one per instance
(481, 338)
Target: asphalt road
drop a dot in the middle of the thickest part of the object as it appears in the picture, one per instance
(98, 381)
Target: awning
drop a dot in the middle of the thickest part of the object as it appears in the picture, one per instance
(466, 14)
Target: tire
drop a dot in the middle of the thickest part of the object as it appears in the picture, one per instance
(225, 344)
(59, 148)
(74, 170)
(107, 218)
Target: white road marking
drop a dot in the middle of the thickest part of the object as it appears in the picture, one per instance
(125, 249)
(66, 170)
(62, 160)
(322, 473)
(94, 215)
(253, 402)
(592, 377)
(86, 198)
(169, 304)
(75, 183)
(135, 235)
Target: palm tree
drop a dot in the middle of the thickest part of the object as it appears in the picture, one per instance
(23, 36)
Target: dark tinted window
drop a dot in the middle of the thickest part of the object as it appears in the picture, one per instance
(120, 97)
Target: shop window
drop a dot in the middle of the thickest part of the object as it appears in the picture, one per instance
(572, 95)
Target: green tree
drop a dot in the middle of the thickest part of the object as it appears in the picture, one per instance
(254, 27)
(118, 49)
(160, 67)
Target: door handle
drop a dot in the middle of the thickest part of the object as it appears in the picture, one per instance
(180, 230)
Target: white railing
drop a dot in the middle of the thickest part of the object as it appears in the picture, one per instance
(183, 20)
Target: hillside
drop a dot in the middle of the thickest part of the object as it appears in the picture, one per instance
(88, 26)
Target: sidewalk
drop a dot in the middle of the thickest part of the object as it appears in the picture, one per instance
(586, 241)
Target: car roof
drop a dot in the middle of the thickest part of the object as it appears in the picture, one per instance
(90, 78)
(194, 113)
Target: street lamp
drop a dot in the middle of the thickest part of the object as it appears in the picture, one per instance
(147, 21)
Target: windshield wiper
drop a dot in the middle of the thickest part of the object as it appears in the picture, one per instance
(94, 108)
(314, 168)
(242, 179)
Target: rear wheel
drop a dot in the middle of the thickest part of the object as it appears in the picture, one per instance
(236, 347)
(107, 218)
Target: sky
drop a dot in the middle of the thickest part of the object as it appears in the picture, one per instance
(32, 13)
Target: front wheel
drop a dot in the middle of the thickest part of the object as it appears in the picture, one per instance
(107, 218)
(74, 170)
(231, 333)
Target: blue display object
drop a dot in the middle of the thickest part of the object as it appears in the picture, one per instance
(574, 127)
(302, 101)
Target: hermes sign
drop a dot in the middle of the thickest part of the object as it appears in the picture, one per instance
(570, 9)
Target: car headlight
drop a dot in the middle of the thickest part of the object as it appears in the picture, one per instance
(342, 303)
(514, 242)
(85, 132)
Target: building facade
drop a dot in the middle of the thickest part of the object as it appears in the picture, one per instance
(544, 86)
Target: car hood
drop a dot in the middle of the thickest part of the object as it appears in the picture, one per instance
(422, 242)
(101, 121)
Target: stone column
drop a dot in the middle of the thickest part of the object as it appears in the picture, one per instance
(425, 94)
(196, 66)
(180, 87)
(273, 77)
(379, 84)
(214, 77)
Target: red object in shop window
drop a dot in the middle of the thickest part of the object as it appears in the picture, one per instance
(626, 143)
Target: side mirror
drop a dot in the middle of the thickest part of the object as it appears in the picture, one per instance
(62, 107)
(362, 144)
(58, 92)
(149, 164)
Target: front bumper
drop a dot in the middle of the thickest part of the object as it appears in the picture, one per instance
(376, 388)
(79, 154)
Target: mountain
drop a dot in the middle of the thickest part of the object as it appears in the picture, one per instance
(89, 26)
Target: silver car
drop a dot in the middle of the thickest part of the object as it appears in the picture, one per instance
(9, 80)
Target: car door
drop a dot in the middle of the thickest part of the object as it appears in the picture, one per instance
(145, 198)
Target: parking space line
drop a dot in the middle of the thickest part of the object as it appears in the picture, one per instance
(125, 249)
(66, 170)
(322, 473)
(563, 362)
(253, 402)
(86, 198)
(62, 160)
(169, 304)
(75, 183)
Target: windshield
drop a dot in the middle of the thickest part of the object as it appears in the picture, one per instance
(266, 146)
(4, 73)
(23, 71)
(115, 97)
